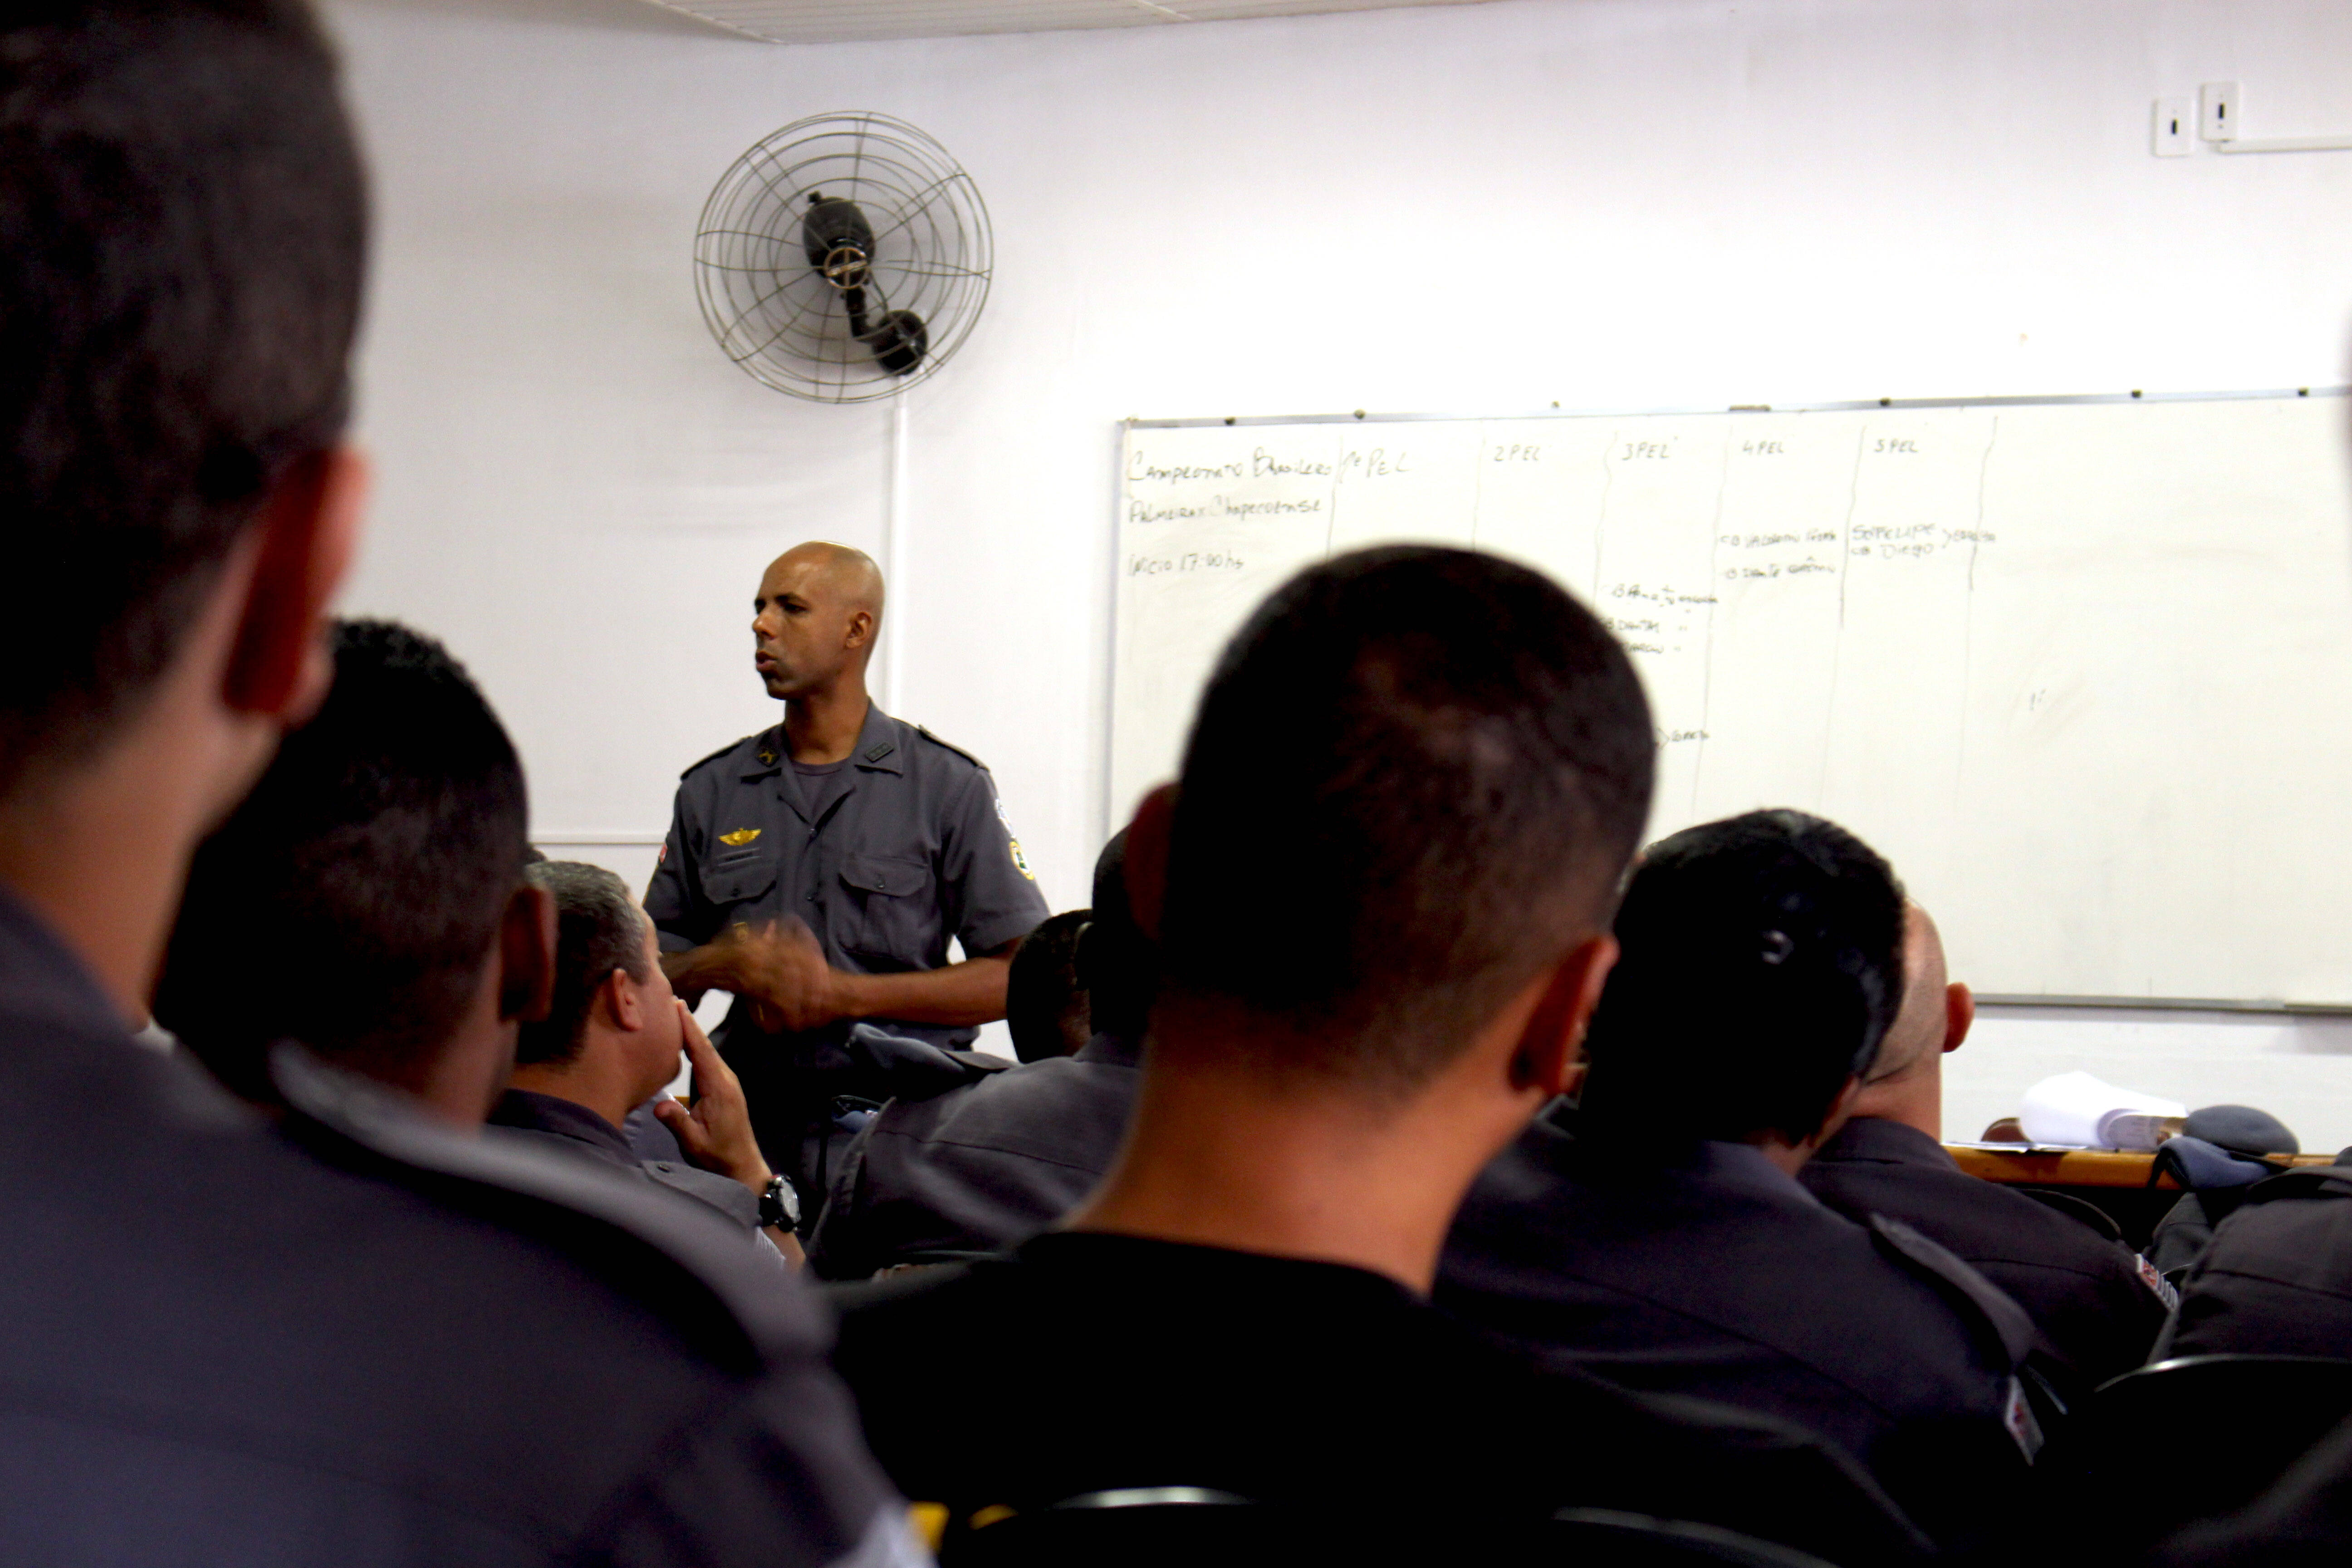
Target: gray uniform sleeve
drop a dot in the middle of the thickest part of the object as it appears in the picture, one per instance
(682, 917)
(988, 896)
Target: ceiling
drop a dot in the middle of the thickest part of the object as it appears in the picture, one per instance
(839, 21)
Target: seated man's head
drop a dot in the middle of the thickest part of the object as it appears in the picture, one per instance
(1046, 1007)
(1906, 1080)
(1762, 965)
(1117, 965)
(612, 1037)
(1413, 786)
(368, 899)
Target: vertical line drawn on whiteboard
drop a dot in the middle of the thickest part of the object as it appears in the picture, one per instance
(1478, 483)
(1601, 520)
(1715, 596)
(1837, 644)
(1969, 625)
(1845, 534)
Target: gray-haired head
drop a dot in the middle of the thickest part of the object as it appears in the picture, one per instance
(598, 929)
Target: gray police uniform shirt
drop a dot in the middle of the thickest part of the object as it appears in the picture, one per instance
(911, 848)
(1701, 1268)
(359, 1339)
(552, 1122)
(978, 1167)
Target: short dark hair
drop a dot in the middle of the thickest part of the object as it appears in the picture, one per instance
(1762, 965)
(185, 224)
(1045, 1005)
(1415, 778)
(372, 866)
(598, 929)
(1118, 965)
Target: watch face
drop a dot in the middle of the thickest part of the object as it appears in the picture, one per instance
(780, 1204)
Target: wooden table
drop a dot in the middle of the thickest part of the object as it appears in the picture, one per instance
(2116, 1184)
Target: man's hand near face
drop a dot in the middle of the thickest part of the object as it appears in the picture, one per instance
(714, 1128)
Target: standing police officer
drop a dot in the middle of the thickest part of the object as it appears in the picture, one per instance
(818, 869)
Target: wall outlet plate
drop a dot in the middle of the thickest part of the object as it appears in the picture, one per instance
(2218, 112)
(2170, 132)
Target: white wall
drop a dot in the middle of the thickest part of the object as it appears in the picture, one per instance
(1626, 203)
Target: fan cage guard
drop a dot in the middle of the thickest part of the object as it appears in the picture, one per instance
(777, 317)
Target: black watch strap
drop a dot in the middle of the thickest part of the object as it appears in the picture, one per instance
(779, 1204)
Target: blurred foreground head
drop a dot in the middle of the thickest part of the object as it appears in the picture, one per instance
(184, 221)
(359, 901)
(1413, 785)
(1762, 965)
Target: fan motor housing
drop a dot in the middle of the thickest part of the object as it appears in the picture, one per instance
(843, 259)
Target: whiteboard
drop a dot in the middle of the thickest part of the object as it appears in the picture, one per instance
(2081, 668)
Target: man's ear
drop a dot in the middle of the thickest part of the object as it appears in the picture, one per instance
(309, 528)
(526, 956)
(620, 995)
(1147, 859)
(1959, 1014)
(860, 632)
(1551, 1054)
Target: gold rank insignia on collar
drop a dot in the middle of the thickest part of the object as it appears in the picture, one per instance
(767, 757)
(741, 837)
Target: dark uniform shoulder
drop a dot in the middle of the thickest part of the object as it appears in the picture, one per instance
(748, 743)
(2010, 1332)
(950, 746)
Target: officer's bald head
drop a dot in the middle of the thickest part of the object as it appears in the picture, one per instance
(815, 618)
(1917, 1036)
(844, 573)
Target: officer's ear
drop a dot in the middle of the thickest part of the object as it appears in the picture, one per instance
(526, 956)
(1147, 859)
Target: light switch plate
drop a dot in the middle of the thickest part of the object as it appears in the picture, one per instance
(2169, 133)
(2218, 112)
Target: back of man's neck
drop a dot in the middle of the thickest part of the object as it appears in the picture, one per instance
(1915, 1101)
(1221, 1161)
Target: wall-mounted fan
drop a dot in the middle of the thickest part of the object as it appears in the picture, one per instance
(843, 259)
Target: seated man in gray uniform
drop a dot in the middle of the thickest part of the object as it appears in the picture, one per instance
(2099, 1305)
(1658, 1237)
(379, 862)
(612, 1037)
(1449, 760)
(982, 1166)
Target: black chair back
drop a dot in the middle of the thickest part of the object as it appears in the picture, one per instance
(1186, 1527)
(2187, 1439)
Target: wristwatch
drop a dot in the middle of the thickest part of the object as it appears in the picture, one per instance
(779, 1204)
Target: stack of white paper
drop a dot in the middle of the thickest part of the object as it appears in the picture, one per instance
(2084, 1113)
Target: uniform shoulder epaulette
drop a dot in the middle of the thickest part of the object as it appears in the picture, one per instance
(723, 751)
(2304, 1182)
(951, 746)
(1958, 1283)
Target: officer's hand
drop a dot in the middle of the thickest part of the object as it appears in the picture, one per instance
(784, 971)
(715, 1127)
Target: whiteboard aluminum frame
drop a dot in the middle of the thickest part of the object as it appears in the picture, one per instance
(1364, 416)
(1872, 404)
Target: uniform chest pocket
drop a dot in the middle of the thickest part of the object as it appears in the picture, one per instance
(738, 881)
(897, 911)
